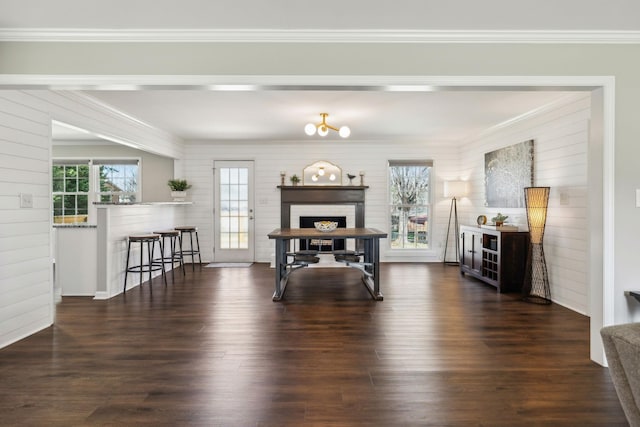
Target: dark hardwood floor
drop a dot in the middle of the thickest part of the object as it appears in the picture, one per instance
(212, 349)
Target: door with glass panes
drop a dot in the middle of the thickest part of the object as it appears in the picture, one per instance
(233, 215)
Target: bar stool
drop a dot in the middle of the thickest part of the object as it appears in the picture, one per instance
(193, 250)
(148, 240)
(173, 256)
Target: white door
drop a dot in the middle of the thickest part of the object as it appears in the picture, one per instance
(233, 216)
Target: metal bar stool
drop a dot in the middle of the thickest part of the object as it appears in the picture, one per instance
(148, 240)
(192, 251)
(172, 257)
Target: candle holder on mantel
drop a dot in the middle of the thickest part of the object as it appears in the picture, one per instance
(362, 178)
(283, 174)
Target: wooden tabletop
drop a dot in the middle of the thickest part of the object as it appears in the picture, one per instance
(338, 233)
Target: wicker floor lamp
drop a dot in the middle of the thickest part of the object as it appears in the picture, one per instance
(536, 285)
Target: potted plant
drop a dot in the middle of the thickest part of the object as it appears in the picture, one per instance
(179, 189)
(499, 219)
(294, 179)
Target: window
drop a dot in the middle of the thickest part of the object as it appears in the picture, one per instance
(70, 192)
(118, 180)
(234, 208)
(409, 196)
(76, 184)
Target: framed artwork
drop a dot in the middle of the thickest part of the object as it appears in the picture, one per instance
(507, 171)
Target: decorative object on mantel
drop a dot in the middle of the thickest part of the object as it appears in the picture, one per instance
(179, 189)
(294, 179)
(323, 128)
(453, 189)
(536, 284)
(322, 173)
(499, 219)
(361, 178)
(350, 178)
(283, 174)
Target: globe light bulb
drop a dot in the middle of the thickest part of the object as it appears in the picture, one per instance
(344, 131)
(321, 171)
(314, 178)
(323, 131)
(332, 177)
(310, 129)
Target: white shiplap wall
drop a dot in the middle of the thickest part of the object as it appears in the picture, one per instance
(26, 279)
(352, 156)
(561, 134)
(26, 291)
(115, 224)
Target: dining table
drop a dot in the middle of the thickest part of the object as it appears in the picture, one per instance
(365, 257)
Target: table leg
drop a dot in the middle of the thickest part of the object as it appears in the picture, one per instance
(281, 267)
(372, 256)
(375, 243)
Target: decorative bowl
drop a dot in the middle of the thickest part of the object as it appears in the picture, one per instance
(325, 225)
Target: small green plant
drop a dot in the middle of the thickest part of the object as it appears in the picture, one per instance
(178, 184)
(499, 218)
(294, 179)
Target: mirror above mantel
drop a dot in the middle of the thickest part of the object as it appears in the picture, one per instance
(322, 173)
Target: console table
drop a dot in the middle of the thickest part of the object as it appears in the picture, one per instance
(496, 257)
(370, 266)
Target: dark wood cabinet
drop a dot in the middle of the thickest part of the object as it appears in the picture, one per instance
(496, 257)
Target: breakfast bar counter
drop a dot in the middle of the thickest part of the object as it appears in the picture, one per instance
(367, 258)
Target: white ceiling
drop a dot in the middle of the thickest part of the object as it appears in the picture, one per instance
(281, 115)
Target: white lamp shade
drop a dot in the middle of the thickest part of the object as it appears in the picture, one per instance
(455, 188)
(310, 129)
(344, 131)
(536, 200)
(323, 131)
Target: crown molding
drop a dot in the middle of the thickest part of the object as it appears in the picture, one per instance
(314, 36)
(299, 82)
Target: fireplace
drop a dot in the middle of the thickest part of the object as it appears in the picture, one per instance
(321, 245)
(323, 201)
(303, 195)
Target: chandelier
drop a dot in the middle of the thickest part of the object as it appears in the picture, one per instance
(323, 128)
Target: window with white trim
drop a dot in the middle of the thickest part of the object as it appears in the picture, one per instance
(71, 191)
(77, 183)
(117, 180)
(410, 203)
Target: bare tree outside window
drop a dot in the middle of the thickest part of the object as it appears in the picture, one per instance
(118, 182)
(409, 191)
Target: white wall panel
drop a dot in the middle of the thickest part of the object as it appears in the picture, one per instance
(561, 135)
(87, 113)
(25, 235)
(115, 224)
(26, 299)
(351, 156)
